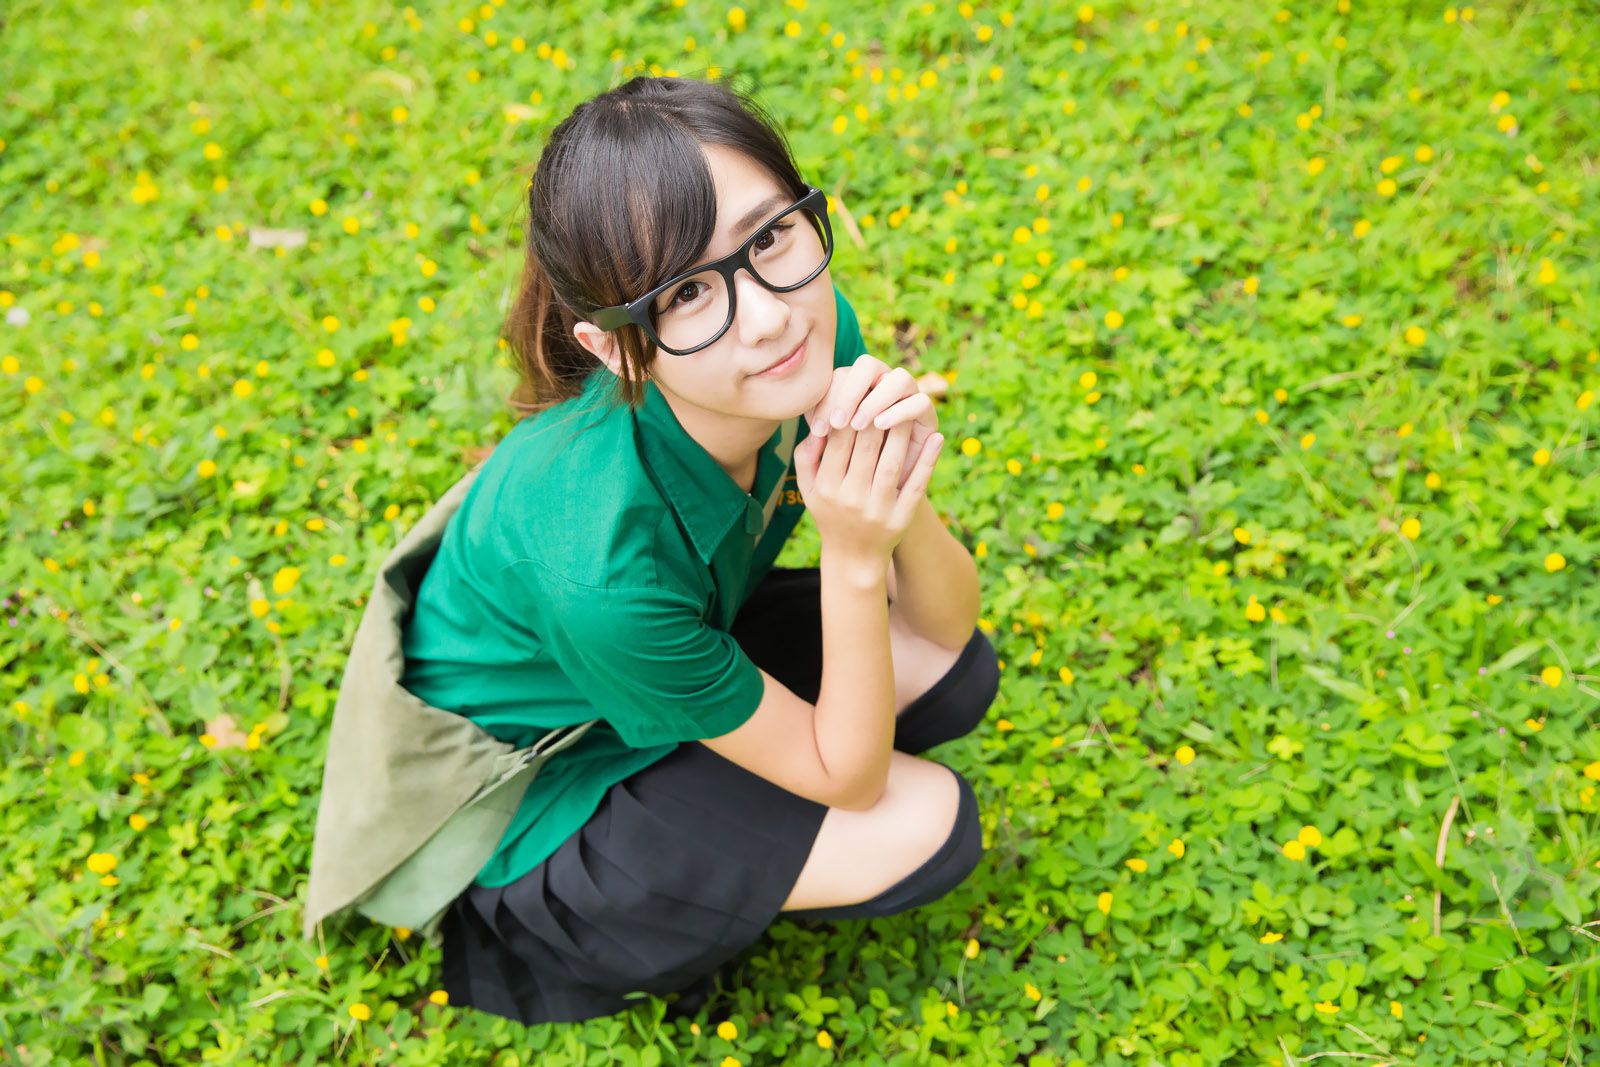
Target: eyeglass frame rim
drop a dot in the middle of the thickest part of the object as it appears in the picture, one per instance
(635, 312)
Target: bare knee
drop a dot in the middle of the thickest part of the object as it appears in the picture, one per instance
(859, 854)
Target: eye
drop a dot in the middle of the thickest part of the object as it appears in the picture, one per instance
(776, 232)
(686, 287)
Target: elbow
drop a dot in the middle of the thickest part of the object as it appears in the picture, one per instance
(862, 799)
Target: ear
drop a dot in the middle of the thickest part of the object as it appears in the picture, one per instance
(601, 344)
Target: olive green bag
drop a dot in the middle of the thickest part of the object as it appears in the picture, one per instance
(415, 798)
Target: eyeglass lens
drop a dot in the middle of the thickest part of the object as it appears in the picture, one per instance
(785, 253)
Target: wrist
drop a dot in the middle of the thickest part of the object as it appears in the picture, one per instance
(861, 572)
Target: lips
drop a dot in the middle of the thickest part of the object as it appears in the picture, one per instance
(785, 358)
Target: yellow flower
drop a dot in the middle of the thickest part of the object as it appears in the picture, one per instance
(1184, 755)
(329, 323)
(1270, 938)
(736, 19)
(1534, 724)
(1547, 272)
(207, 468)
(1551, 676)
(360, 1011)
(1554, 562)
(1310, 836)
(1255, 611)
(1113, 320)
(1410, 529)
(1176, 848)
(284, 580)
(1103, 902)
(1031, 991)
(1541, 457)
(1308, 440)
(137, 821)
(101, 862)
(1137, 865)
(1592, 771)
(727, 1030)
(1066, 675)
(1415, 335)
(1241, 535)
(1295, 850)
(1085, 183)
(1315, 166)
(1327, 1007)
(972, 948)
(824, 1039)
(352, 224)
(1387, 187)
(1085, 13)
(971, 446)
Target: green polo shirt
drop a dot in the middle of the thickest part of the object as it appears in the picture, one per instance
(593, 572)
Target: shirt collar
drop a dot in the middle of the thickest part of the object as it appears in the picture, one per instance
(708, 502)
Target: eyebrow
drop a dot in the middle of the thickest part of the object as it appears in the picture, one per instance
(759, 213)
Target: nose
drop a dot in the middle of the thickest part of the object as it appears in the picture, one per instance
(762, 313)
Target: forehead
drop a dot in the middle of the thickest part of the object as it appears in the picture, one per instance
(741, 184)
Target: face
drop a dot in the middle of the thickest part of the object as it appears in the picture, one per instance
(719, 384)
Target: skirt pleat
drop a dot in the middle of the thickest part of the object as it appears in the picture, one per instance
(683, 866)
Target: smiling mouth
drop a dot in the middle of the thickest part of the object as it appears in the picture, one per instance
(785, 359)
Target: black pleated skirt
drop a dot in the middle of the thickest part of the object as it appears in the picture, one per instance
(686, 863)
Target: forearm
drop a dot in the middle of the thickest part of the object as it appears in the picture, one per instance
(936, 581)
(854, 721)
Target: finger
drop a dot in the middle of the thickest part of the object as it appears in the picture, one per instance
(835, 456)
(891, 462)
(917, 484)
(817, 417)
(863, 460)
(893, 387)
(903, 410)
(857, 380)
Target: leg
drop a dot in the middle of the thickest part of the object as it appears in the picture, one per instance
(780, 629)
(859, 854)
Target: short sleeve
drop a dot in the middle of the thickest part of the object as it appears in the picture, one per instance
(847, 341)
(647, 661)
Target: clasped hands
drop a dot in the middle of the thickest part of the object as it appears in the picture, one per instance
(870, 393)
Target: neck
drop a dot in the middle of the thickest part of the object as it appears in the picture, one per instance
(734, 443)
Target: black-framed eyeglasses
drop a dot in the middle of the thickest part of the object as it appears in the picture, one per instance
(691, 310)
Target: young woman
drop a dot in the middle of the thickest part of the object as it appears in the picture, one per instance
(678, 331)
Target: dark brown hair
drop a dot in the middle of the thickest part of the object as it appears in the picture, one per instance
(621, 199)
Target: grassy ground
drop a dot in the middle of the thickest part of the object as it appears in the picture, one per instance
(1274, 338)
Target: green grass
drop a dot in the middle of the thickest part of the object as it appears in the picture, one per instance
(1208, 543)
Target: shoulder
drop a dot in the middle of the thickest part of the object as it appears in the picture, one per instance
(572, 499)
(847, 340)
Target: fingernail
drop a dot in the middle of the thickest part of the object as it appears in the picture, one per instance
(838, 418)
(858, 423)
